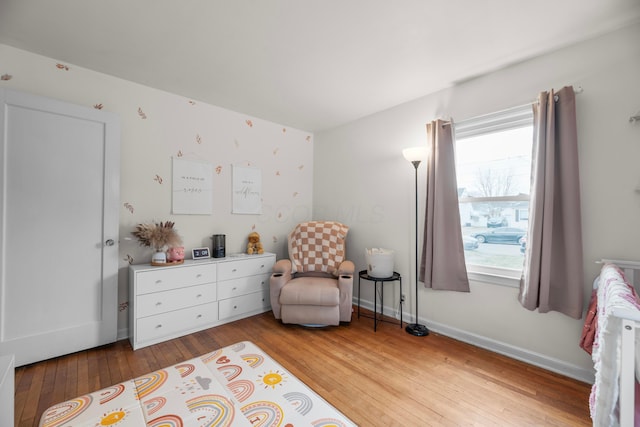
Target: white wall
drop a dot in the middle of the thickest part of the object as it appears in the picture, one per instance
(157, 126)
(371, 188)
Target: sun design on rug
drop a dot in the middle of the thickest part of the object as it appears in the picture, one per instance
(112, 418)
(272, 379)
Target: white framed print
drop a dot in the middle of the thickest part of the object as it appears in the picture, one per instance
(247, 190)
(192, 187)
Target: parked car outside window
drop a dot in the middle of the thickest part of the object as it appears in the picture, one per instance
(497, 222)
(501, 235)
(469, 243)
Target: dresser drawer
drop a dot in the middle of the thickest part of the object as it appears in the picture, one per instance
(243, 304)
(245, 267)
(153, 327)
(165, 279)
(242, 286)
(161, 302)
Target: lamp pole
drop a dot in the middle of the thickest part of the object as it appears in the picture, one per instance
(416, 328)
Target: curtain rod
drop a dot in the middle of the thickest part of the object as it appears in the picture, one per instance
(576, 90)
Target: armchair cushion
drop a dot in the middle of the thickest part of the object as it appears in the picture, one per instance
(311, 291)
(317, 246)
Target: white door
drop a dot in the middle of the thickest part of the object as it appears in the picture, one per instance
(59, 197)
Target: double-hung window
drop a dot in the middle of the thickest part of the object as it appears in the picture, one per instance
(493, 165)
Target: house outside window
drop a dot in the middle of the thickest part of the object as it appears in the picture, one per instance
(493, 166)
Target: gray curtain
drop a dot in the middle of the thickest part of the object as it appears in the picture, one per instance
(442, 265)
(553, 277)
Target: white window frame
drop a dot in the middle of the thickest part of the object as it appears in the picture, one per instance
(512, 118)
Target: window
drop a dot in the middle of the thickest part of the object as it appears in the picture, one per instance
(493, 164)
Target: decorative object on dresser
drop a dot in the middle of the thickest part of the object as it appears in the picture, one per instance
(161, 237)
(218, 245)
(172, 301)
(315, 286)
(200, 253)
(254, 246)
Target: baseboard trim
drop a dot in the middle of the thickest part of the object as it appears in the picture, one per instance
(518, 353)
(123, 334)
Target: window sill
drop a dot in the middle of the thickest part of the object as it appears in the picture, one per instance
(494, 276)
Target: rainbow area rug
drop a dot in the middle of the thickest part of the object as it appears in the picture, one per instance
(238, 385)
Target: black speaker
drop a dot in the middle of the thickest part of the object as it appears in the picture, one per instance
(217, 247)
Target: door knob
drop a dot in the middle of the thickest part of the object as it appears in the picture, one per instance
(109, 242)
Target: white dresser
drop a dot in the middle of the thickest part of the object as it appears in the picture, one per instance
(169, 302)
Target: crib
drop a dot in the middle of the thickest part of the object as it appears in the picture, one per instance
(615, 350)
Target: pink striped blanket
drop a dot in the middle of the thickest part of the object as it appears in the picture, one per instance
(613, 293)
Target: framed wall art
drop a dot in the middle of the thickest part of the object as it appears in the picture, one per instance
(247, 190)
(192, 187)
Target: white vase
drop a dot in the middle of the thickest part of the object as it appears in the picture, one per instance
(159, 258)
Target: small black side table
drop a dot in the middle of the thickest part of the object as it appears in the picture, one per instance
(394, 278)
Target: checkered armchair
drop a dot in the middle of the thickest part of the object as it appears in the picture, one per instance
(314, 286)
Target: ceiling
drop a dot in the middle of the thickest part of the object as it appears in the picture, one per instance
(308, 64)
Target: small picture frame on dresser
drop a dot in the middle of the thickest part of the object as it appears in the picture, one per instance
(200, 253)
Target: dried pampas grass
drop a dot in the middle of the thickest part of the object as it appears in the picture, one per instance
(159, 236)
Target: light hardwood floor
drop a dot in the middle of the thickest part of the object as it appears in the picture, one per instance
(383, 378)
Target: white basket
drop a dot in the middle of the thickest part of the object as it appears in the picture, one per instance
(379, 262)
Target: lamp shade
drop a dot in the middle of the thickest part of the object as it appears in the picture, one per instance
(415, 153)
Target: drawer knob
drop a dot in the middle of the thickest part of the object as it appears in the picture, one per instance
(235, 306)
(198, 275)
(159, 303)
(234, 288)
(262, 283)
(199, 296)
(198, 316)
(159, 281)
(262, 266)
(158, 326)
(234, 270)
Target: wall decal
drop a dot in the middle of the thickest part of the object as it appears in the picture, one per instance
(6, 77)
(247, 190)
(98, 106)
(192, 187)
(128, 206)
(128, 259)
(158, 178)
(218, 170)
(249, 123)
(62, 67)
(198, 139)
(141, 113)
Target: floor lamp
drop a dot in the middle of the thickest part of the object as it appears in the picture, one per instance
(415, 155)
